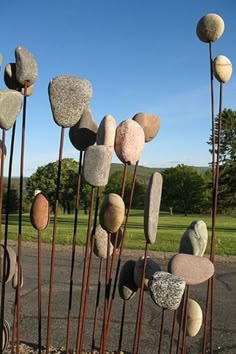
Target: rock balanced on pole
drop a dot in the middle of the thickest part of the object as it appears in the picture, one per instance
(11, 81)
(222, 68)
(10, 107)
(106, 131)
(210, 28)
(194, 239)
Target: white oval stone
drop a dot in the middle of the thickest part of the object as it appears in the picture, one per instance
(222, 68)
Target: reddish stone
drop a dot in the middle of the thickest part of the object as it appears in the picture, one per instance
(40, 212)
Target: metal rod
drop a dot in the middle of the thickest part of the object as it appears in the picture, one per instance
(14, 325)
(184, 341)
(212, 113)
(212, 317)
(161, 331)
(173, 331)
(54, 240)
(122, 326)
(77, 205)
(39, 293)
(97, 304)
(82, 296)
(181, 320)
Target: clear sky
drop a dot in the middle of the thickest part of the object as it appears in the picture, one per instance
(140, 56)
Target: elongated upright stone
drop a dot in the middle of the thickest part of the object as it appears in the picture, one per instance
(210, 28)
(26, 66)
(97, 163)
(194, 239)
(129, 141)
(69, 97)
(83, 134)
(112, 212)
(10, 107)
(127, 287)
(152, 207)
(150, 124)
(40, 212)
(106, 131)
(101, 243)
(222, 68)
(166, 290)
(151, 268)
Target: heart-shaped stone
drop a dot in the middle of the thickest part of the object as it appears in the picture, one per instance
(10, 107)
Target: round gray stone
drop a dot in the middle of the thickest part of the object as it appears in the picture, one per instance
(152, 207)
(10, 107)
(166, 290)
(69, 97)
(151, 268)
(126, 286)
(210, 28)
(101, 243)
(97, 163)
(194, 239)
(26, 66)
(106, 131)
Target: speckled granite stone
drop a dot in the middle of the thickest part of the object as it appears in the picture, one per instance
(10, 107)
(222, 68)
(210, 28)
(112, 212)
(106, 131)
(26, 66)
(150, 124)
(194, 239)
(126, 286)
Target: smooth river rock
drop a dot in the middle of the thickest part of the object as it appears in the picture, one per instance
(15, 277)
(222, 68)
(150, 124)
(69, 97)
(193, 269)
(129, 141)
(10, 263)
(194, 239)
(194, 318)
(210, 28)
(26, 66)
(83, 134)
(112, 212)
(10, 107)
(151, 268)
(97, 163)
(126, 286)
(106, 131)
(166, 290)
(101, 242)
(152, 207)
(40, 212)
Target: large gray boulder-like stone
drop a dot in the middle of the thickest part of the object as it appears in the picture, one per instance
(166, 290)
(106, 131)
(101, 243)
(222, 68)
(152, 207)
(126, 286)
(112, 212)
(69, 97)
(97, 163)
(151, 268)
(150, 124)
(26, 66)
(194, 239)
(210, 28)
(10, 107)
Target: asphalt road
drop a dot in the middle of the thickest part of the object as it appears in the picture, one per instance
(224, 315)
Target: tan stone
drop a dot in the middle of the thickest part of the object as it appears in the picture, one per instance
(150, 124)
(106, 131)
(151, 268)
(10, 263)
(222, 68)
(112, 212)
(101, 243)
(40, 212)
(210, 28)
(194, 318)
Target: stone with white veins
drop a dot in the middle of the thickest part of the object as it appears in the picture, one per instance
(83, 134)
(69, 97)
(106, 131)
(26, 66)
(152, 207)
(150, 124)
(101, 243)
(151, 268)
(126, 286)
(222, 68)
(112, 212)
(97, 163)
(194, 239)
(166, 290)
(10, 107)
(210, 28)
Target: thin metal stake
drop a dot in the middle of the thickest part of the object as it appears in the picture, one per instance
(184, 341)
(173, 331)
(162, 330)
(122, 326)
(181, 320)
(97, 304)
(39, 293)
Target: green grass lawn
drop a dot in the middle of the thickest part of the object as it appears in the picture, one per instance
(170, 230)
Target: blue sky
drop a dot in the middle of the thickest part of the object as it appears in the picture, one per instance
(140, 56)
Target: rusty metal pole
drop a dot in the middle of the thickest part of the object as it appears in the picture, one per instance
(39, 292)
(181, 319)
(97, 304)
(173, 331)
(122, 326)
(184, 340)
(161, 331)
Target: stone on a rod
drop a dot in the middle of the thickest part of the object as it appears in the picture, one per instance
(151, 268)
(40, 212)
(119, 238)
(193, 269)
(150, 124)
(83, 134)
(10, 263)
(194, 318)
(194, 239)
(15, 277)
(3, 150)
(152, 207)
(69, 97)
(129, 141)
(12, 83)
(222, 68)
(106, 131)
(112, 212)
(10, 107)
(26, 66)
(166, 290)
(101, 243)
(126, 286)
(210, 28)
(97, 163)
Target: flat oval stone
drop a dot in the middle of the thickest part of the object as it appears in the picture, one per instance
(129, 141)
(222, 68)
(5, 335)
(15, 277)
(101, 242)
(194, 239)
(152, 207)
(40, 212)
(126, 286)
(194, 318)
(97, 163)
(26, 66)
(166, 290)
(106, 131)
(83, 134)
(112, 212)
(10, 107)
(210, 28)
(150, 124)
(151, 268)
(193, 269)
(10, 263)
(69, 97)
